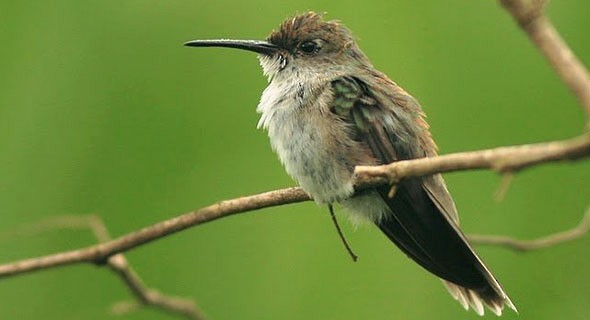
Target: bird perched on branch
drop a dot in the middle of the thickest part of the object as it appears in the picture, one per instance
(327, 110)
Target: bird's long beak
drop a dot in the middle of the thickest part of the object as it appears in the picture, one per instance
(250, 45)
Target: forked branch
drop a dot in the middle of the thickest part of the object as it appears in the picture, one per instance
(117, 263)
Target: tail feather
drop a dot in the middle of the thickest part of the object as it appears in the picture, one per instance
(476, 299)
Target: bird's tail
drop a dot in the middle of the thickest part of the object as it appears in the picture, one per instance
(477, 298)
(425, 230)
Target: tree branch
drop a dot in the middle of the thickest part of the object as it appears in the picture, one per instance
(540, 243)
(503, 159)
(147, 296)
(99, 253)
(529, 16)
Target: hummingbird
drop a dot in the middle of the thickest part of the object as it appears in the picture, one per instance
(326, 110)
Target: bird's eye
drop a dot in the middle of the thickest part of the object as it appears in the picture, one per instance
(309, 47)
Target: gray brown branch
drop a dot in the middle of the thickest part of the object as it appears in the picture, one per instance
(117, 263)
(529, 16)
(501, 159)
(540, 243)
(147, 296)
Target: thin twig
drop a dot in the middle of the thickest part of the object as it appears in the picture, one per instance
(540, 243)
(503, 187)
(71, 222)
(504, 159)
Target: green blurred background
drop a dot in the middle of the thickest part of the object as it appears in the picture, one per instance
(102, 110)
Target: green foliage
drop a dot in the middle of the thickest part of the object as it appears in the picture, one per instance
(102, 110)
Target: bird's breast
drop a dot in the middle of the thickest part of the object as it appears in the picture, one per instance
(310, 141)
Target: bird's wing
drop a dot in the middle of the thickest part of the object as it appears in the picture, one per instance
(423, 221)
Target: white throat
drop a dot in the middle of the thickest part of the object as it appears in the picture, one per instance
(286, 92)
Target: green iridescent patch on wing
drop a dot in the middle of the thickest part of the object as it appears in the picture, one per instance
(351, 103)
(346, 94)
